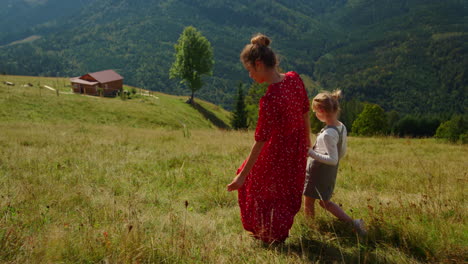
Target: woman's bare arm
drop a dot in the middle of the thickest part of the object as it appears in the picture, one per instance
(240, 178)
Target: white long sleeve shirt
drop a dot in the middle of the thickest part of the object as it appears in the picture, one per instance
(326, 149)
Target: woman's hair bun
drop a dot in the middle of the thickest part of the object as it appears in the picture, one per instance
(258, 50)
(260, 40)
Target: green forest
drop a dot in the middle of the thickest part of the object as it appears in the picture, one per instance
(410, 57)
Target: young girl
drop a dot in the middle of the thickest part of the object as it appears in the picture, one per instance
(324, 157)
(271, 180)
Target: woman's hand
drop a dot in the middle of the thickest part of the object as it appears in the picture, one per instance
(236, 183)
(240, 178)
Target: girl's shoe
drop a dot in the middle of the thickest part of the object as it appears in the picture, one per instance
(359, 227)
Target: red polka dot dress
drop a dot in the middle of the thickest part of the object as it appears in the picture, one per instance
(271, 194)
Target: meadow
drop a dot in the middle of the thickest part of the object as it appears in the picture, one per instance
(36, 103)
(139, 188)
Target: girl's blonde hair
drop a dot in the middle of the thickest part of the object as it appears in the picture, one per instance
(259, 50)
(328, 102)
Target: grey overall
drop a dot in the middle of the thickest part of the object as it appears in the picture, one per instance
(321, 177)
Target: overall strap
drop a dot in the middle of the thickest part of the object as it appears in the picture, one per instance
(340, 135)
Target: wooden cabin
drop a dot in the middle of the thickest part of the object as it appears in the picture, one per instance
(105, 83)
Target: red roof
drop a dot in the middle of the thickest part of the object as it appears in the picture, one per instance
(106, 76)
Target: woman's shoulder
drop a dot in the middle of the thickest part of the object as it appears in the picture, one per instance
(294, 79)
(292, 74)
(283, 88)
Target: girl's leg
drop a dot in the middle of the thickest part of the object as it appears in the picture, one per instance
(336, 211)
(309, 206)
(358, 224)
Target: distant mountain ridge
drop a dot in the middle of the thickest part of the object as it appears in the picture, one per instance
(404, 55)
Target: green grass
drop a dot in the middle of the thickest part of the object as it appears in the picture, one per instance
(81, 191)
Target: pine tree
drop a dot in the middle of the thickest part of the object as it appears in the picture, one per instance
(239, 120)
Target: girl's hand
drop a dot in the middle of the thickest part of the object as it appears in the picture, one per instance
(236, 183)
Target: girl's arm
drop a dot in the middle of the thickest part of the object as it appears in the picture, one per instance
(240, 178)
(330, 144)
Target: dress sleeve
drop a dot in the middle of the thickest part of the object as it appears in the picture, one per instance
(306, 106)
(265, 122)
(304, 98)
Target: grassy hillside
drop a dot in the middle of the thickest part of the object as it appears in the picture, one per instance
(38, 104)
(90, 180)
(71, 193)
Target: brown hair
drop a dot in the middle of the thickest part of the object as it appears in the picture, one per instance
(259, 49)
(328, 102)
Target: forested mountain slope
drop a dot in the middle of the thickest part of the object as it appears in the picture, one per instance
(405, 55)
(22, 18)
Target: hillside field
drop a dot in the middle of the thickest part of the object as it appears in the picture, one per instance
(37, 103)
(104, 180)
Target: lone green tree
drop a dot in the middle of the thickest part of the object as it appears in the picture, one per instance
(193, 58)
(239, 118)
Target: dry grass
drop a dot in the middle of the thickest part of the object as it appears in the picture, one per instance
(72, 194)
(126, 183)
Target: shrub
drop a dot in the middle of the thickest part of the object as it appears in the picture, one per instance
(350, 110)
(455, 129)
(414, 126)
(371, 121)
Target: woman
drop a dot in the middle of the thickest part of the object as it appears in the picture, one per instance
(271, 180)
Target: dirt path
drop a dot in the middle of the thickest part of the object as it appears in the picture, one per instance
(55, 90)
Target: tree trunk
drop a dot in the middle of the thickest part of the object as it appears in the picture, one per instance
(191, 100)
